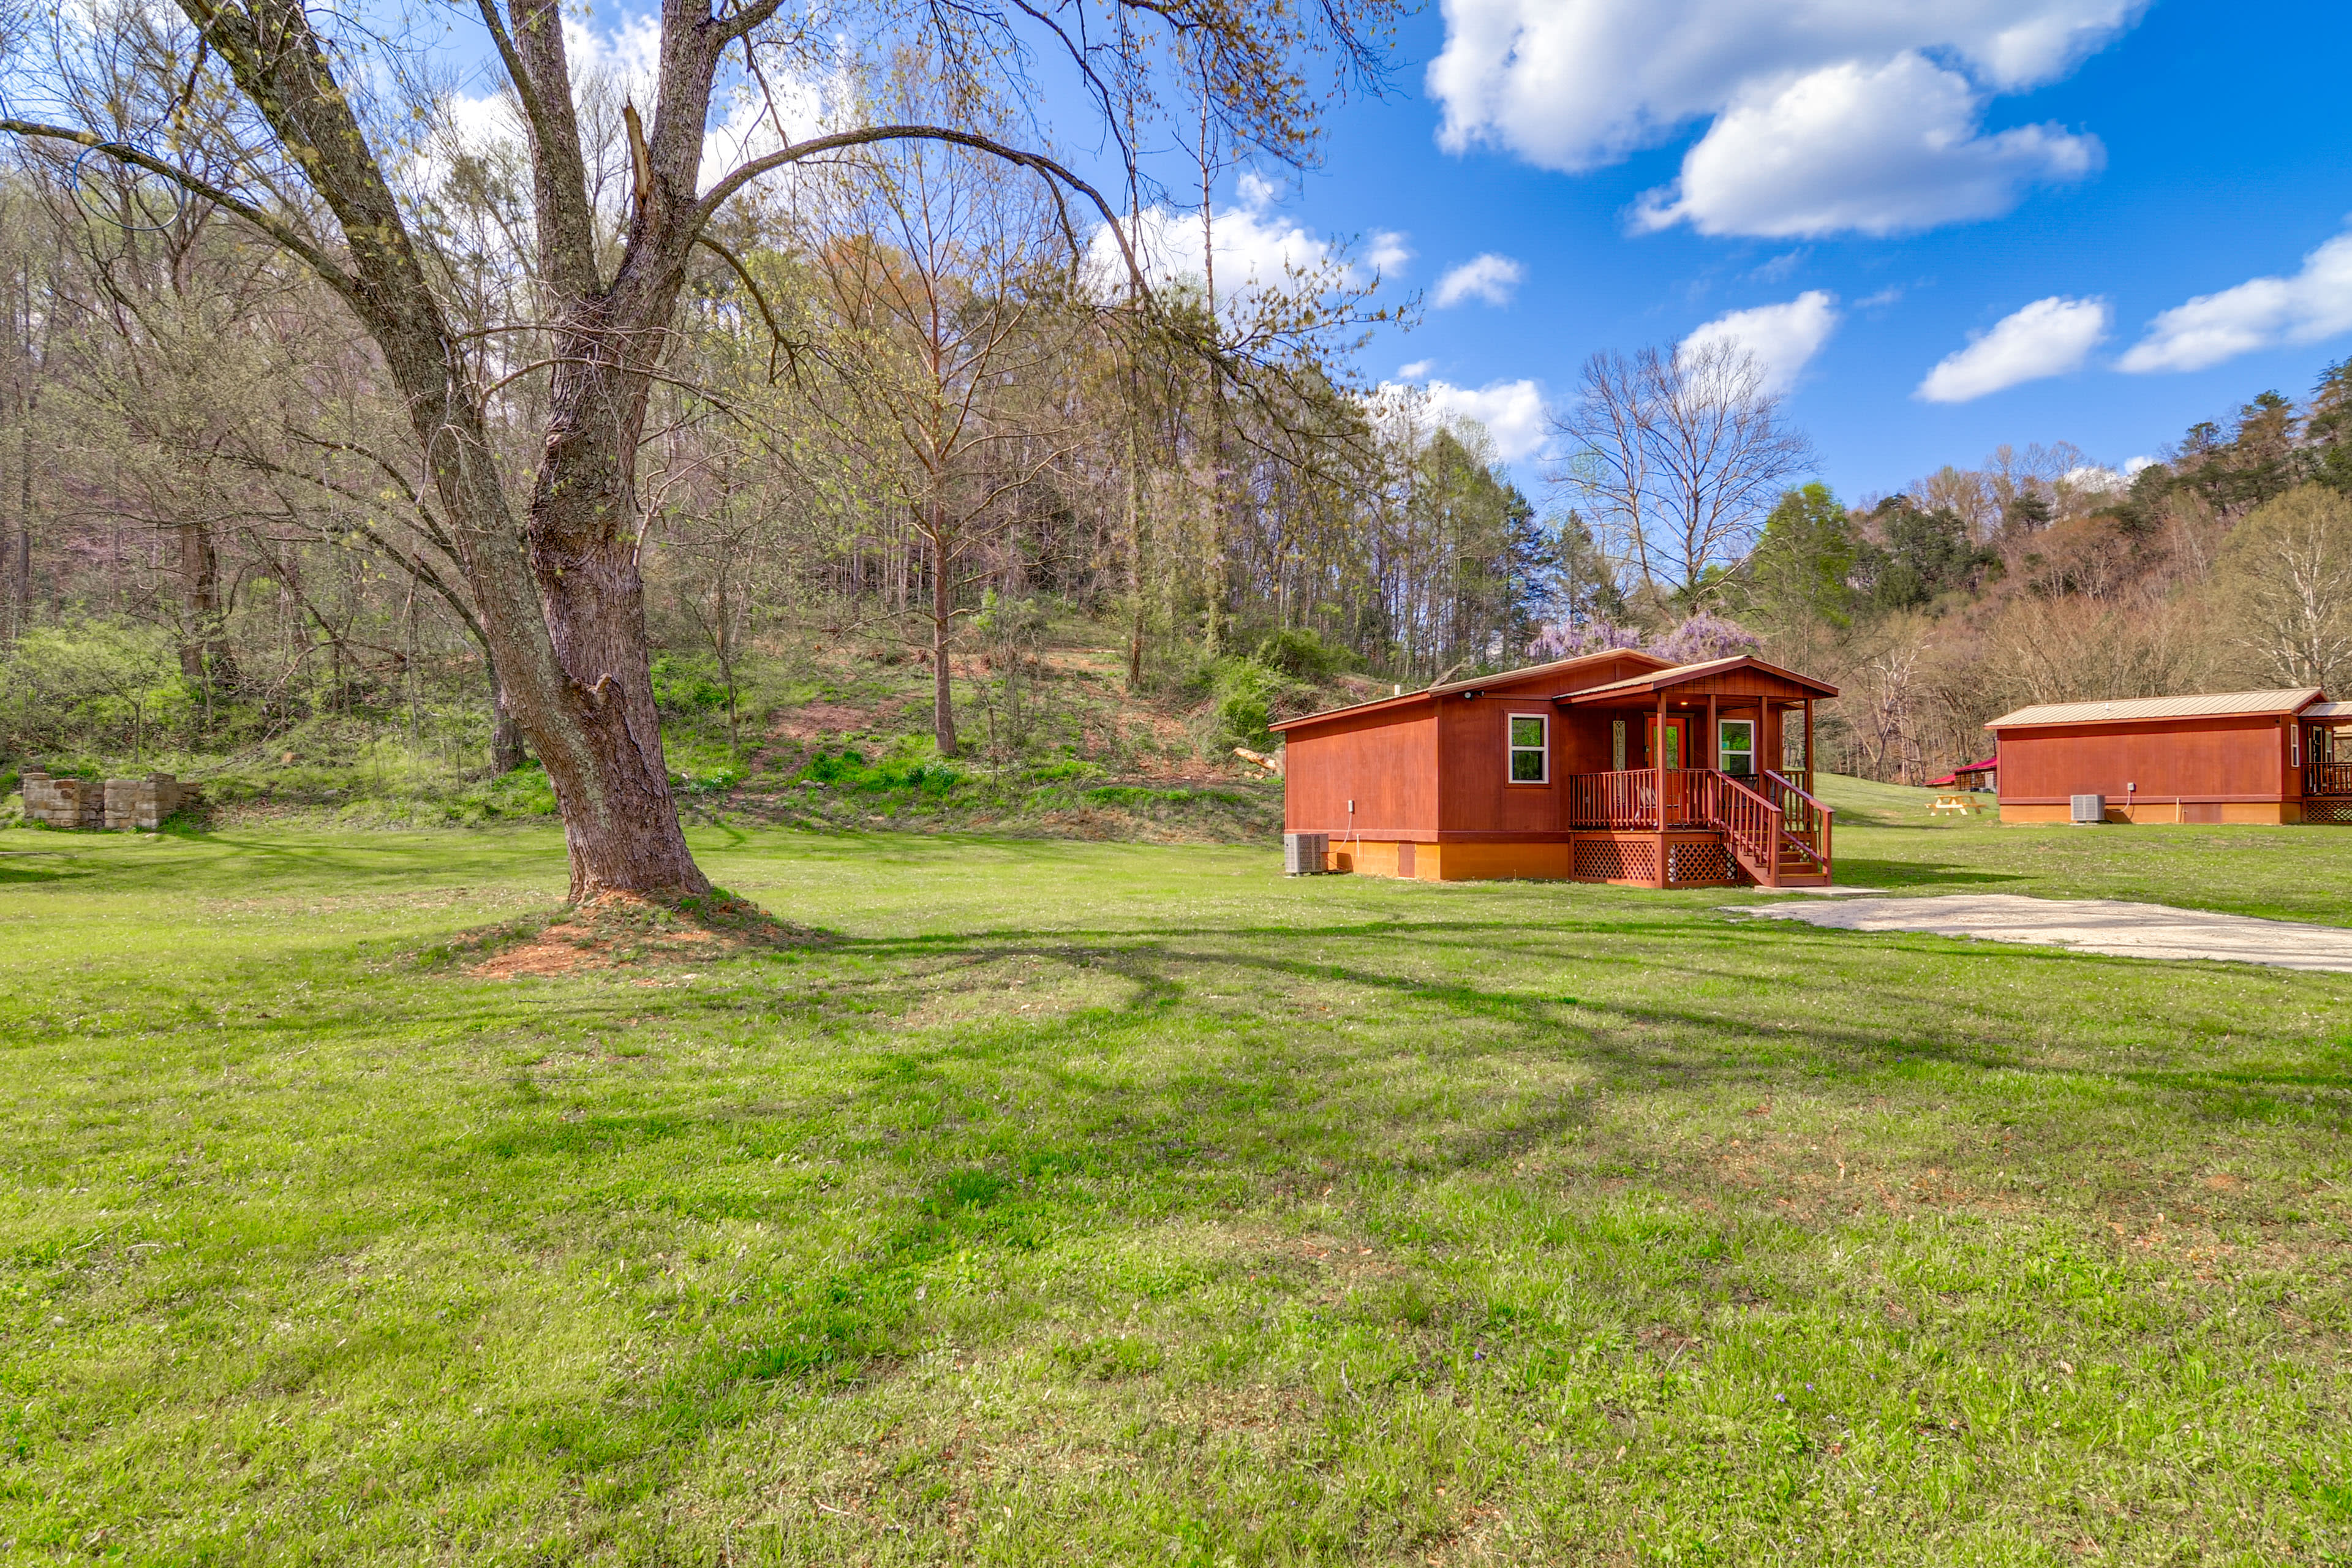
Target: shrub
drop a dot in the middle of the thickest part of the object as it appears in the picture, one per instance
(848, 769)
(687, 686)
(1241, 694)
(1301, 653)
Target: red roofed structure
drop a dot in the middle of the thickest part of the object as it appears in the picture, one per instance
(2226, 756)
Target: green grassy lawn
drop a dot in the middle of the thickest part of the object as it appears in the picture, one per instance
(1082, 1203)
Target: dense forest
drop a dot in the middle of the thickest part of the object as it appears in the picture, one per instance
(903, 410)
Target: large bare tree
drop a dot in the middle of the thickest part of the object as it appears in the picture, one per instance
(1676, 456)
(2286, 584)
(555, 571)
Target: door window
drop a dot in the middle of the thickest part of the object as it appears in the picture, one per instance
(1736, 745)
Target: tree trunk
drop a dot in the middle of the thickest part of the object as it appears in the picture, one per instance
(1134, 559)
(204, 656)
(944, 730)
(594, 727)
(507, 751)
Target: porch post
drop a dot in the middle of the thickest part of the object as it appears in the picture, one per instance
(1714, 753)
(1808, 748)
(1658, 769)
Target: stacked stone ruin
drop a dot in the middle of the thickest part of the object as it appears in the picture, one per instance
(124, 804)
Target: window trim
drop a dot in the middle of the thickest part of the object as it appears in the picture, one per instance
(1752, 748)
(1511, 751)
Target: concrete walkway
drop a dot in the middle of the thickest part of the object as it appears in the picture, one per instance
(2083, 925)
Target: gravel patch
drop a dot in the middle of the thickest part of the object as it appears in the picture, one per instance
(2084, 925)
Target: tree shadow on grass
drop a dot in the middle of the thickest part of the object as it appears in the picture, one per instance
(1871, 873)
(977, 1144)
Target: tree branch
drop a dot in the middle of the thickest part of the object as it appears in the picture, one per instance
(766, 313)
(329, 273)
(706, 209)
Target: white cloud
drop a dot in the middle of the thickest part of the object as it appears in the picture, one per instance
(1388, 252)
(1512, 413)
(1803, 93)
(2096, 478)
(1878, 150)
(2261, 313)
(631, 53)
(2049, 337)
(1255, 250)
(1416, 369)
(1491, 278)
(1783, 338)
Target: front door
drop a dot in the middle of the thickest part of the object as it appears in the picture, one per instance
(1667, 751)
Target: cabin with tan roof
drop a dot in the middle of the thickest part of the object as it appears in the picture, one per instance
(2226, 756)
(1611, 767)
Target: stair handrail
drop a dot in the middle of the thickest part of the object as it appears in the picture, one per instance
(1823, 813)
(1766, 853)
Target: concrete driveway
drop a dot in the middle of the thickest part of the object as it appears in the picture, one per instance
(2083, 925)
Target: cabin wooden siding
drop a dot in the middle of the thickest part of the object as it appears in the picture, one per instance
(1386, 762)
(1475, 797)
(1430, 774)
(2231, 759)
(1402, 763)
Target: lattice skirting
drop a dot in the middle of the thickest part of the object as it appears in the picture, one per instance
(2336, 811)
(1688, 863)
(1614, 860)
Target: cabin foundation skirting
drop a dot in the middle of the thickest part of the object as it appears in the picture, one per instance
(1692, 859)
(2194, 812)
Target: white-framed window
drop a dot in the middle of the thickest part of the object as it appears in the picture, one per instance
(1734, 745)
(1530, 741)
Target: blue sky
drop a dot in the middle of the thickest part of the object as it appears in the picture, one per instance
(1945, 225)
(1891, 180)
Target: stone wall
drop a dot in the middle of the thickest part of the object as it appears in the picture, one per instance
(122, 803)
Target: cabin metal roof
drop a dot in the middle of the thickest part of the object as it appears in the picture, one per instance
(2147, 710)
(2328, 711)
(1504, 678)
(1682, 674)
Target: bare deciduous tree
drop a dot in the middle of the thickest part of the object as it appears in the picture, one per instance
(557, 580)
(2286, 577)
(1676, 456)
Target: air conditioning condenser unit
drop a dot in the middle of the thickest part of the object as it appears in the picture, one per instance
(2090, 808)
(1302, 853)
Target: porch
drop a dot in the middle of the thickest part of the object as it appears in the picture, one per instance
(1689, 795)
(2327, 762)
(1662, 827)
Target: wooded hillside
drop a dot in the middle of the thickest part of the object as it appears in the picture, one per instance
(899, 411)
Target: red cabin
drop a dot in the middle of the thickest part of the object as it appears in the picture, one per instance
(2227, 756)
(1611, 768)
(1971, 775)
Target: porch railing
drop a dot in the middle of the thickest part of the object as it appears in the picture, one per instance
(1749, 821)
(1630, 798)
(2327, 778)
(1771, 823)
(1806, 823)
